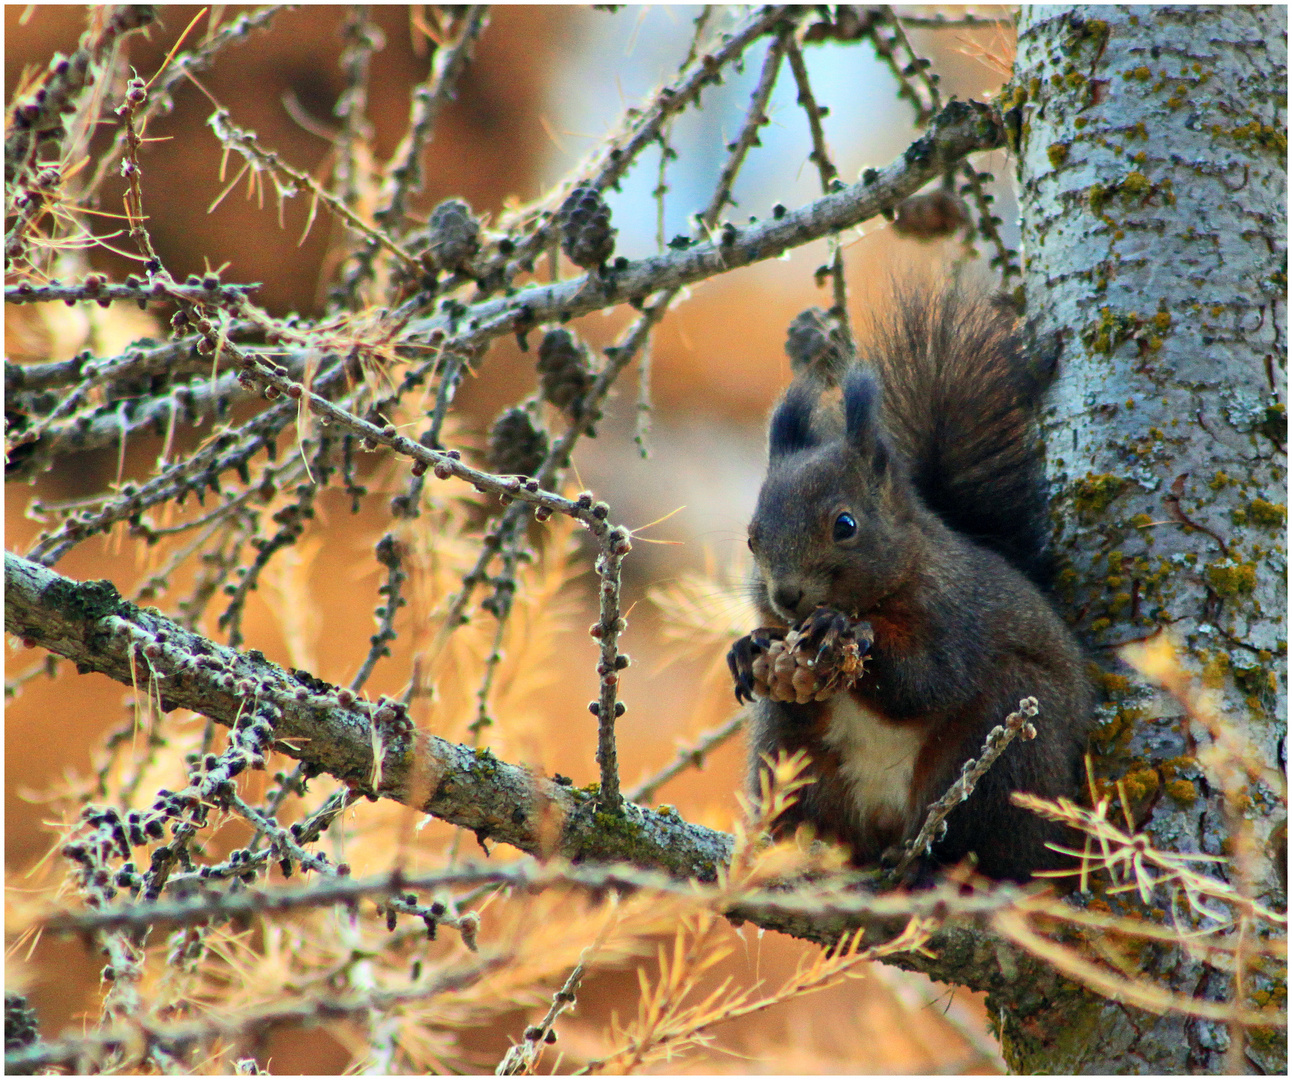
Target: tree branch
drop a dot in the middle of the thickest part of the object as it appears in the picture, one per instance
(961, 128)
(90, 624)
(331, 731)
(133, 1041)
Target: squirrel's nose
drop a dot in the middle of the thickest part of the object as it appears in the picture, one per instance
(787, 598)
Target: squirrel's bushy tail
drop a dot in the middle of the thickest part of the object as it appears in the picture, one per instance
(961, 401)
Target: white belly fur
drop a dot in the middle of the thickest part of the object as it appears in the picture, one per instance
(878, 759)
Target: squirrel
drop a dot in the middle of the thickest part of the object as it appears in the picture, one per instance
(915, 520)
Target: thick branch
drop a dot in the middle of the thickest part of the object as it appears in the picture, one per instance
(331, 731)
(91, 625)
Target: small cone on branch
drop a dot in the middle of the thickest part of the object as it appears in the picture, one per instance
(454, 236)
(516, 445)
(930, 216)
(817, 343)
(564, 370)
(584, 222)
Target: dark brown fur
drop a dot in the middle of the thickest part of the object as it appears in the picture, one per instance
(937, 460)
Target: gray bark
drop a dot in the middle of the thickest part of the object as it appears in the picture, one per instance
(1152, 172)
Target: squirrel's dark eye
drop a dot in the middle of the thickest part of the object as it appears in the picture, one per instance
(845, 527)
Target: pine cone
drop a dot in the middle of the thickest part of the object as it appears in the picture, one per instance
(816, 343)
(803, 668)
(454, 236)
(930, 216)
(584, 220)
(564, 371)
(516, 446)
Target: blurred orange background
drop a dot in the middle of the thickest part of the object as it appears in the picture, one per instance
(545, 84)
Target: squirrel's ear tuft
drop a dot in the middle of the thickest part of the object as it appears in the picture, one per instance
(861, 393)
(791, 426)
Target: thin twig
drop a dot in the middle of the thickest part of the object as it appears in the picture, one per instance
(522, 1056)
(829, 180)
(47, 666)
(451, 369)
(642, 423)
(404, 173)
(666, 151)
(291, 520)
(429, 100)
(362, 39)
(688, 757)
(607, 630)
(132, 171)
(390, 555)
(755, 119)
(970, 773)
(483, 720)
(244, 142)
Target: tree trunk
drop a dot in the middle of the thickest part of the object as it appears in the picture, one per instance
(1152, 144)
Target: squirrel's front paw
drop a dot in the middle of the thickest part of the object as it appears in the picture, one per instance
(821, 656)
(836, 642)
(818, 658)
(824, 629)
(748, 661)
